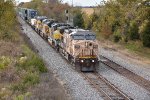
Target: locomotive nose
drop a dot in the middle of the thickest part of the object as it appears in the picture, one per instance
(88, 45)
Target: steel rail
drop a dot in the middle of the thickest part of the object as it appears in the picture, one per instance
(100, 89)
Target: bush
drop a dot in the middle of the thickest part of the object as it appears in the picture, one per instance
(78, 19)
(145, 31)
(28, 80)
(117, 38)
(133, 31)
(31, 79)
(32, 61)
(22, 96)
(146, 35)
(117, 35)
(146, 40)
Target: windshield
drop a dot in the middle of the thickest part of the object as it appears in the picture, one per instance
(90, 37)
(84, 37)
(78, 37)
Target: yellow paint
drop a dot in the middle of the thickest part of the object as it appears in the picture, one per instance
(85, 57)
(57, 35)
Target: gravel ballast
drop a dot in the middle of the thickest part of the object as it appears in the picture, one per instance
(127, 86)
(76, 86)
(139, 69)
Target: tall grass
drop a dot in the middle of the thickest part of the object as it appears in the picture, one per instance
(138, 48)
(32, 62)
(32, 66)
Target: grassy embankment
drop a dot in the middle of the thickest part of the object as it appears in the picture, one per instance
(20, 67)
(135, 47)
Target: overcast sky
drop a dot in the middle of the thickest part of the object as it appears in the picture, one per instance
(76, 2)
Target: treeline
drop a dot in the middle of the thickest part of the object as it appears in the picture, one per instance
(7, 20)
(120, 20)
(50, 8)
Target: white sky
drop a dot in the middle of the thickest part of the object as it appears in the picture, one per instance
(76, 2)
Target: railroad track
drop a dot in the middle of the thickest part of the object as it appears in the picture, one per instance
(126, 73)
(107, 90)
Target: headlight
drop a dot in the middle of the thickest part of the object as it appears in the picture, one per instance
(82, 61)
(77, 46)
(93, 61)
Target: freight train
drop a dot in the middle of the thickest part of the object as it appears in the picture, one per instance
(78, 46)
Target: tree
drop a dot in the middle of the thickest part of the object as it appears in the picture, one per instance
(133, 31)
(78, 19)
(145, 33)
(7, 19)
(52, 9)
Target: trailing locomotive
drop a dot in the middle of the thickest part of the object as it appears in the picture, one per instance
(27, 14)
(78, 46)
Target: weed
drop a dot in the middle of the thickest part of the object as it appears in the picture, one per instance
(22, 96)
(32, 66)
(138, 48)
(31, 79)
(31, 61)
(28, 80)
(4, 62)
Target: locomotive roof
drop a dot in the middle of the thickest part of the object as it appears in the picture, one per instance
(83, 35)
(78, 31)
(60, 24)
(31, 9)
(40, 17)
(87, 32)
(47, 20)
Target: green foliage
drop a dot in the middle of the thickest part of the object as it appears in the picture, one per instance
(22, 96)
(32, 62)
(4, 62)
(117, 35)
(78, 19)
(32, 66)
(52, 9)
(29, 79)
(7, 20)
(89, 20)
(133, 31)
(145, 31)
(124, 16)
(137, 47)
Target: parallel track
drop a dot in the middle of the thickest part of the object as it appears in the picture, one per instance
(126, 73)
(107, 90)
